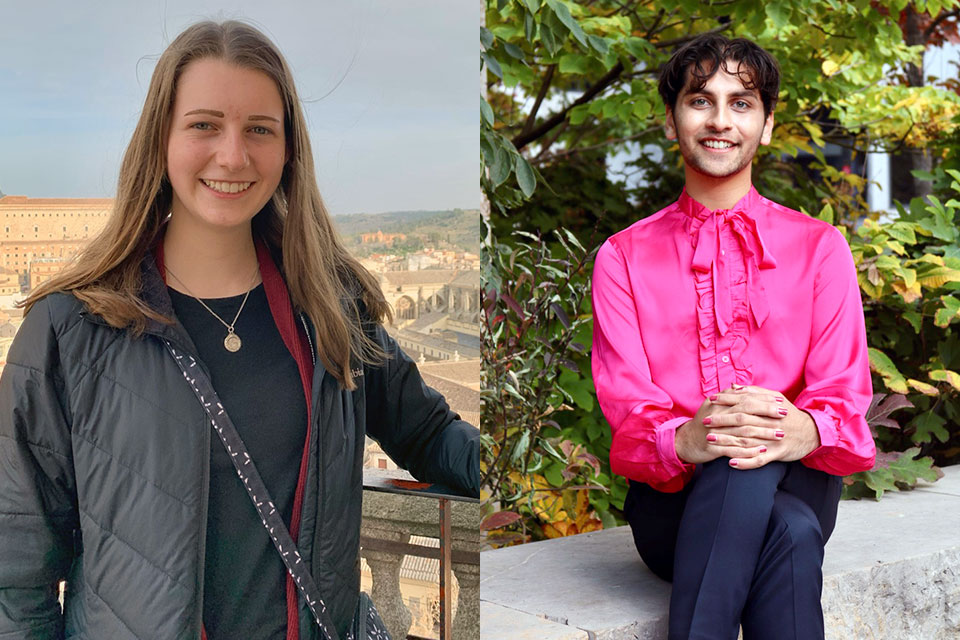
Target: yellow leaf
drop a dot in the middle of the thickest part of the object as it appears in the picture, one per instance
(557, 530)
(945, 375)
(923, 387)
(909, 294)
(829, 67)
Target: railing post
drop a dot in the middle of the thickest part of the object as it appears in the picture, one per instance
(446, 544)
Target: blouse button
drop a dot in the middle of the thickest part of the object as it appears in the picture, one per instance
(725, 359)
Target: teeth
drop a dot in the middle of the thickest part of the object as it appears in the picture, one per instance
(716, 144)
(227, 187)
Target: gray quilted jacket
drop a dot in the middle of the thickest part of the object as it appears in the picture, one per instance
(104, 456)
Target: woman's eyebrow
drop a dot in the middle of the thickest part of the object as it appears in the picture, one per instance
(219, 114)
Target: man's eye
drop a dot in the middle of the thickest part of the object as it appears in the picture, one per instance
(698, 102)
(740, 104)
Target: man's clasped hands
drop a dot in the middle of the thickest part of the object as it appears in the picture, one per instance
(750, 425)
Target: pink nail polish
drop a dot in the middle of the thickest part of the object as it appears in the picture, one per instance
(711, 438)
(713, 397)
(782, 411)
(779, 433)
(778, 399)
(734, 463)
(763, 449)
(706, 421)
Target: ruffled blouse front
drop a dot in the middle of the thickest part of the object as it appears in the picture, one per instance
(690, 301)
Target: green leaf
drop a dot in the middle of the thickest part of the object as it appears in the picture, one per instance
(929, 424)
(513, 50)
(780, 13)
(880, 363)
(486, 37)
(563, 13)
(501, 167)
(574, 63)
(486, 112)
(600, 45)
(826, 214)
(922, 175)
(914, 318)
(549, 39)
(902, 231)
(492, 65)
(532, 5)
(525, 176)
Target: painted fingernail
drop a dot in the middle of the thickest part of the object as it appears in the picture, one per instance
(763, 449)
(782, 411)
(779, 433)
(778, 399)
(707, 421)
(713, 397)
(734, 463)
(711, 438)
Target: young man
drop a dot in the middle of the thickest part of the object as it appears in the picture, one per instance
(730, 359)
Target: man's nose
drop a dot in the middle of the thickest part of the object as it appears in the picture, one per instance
(232, 151)
(719, 118)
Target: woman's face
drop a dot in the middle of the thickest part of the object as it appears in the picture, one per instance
(226, 147)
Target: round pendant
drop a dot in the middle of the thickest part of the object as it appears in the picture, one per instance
(232, 342)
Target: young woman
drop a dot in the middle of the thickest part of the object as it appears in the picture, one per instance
(220, 254)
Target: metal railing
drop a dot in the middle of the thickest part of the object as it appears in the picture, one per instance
(396, 507)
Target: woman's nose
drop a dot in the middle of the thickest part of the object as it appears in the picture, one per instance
(232, 152)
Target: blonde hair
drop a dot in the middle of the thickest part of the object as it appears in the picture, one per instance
(324, 281)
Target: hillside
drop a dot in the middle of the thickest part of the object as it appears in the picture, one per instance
(455, 229)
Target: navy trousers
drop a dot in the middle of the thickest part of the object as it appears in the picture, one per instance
(741, 548)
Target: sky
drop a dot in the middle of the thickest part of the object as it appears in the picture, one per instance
(389, 89)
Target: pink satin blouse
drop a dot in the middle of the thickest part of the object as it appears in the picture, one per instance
(688, 301)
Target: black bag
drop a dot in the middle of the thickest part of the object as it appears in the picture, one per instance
(367, 624)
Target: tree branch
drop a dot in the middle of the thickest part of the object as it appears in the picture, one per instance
(569, 152)
(528, 125)
(940, 18)
(526, 137)
(523, 139)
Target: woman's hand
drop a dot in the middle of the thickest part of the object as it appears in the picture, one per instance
(753, 426)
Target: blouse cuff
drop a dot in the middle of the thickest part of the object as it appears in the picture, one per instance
(666, 436)
(827, 428)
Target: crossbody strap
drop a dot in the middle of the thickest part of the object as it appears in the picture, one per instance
(247, 471)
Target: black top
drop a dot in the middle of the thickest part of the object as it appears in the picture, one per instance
(259, 385)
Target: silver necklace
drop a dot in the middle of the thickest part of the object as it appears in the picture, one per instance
(231, 342)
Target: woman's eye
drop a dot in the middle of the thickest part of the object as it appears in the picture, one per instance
(262, 131)
(201, 126)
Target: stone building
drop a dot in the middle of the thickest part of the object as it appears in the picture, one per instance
(47, 229)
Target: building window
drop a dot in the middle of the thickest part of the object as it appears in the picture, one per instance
(381, 463)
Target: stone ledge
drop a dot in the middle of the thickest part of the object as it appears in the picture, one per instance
(892, 572)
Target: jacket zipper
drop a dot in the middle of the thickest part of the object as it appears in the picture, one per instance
(316, 430)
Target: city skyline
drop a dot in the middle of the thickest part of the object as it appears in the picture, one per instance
(390, 109)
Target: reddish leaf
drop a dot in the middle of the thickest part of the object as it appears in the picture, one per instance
(498, 520)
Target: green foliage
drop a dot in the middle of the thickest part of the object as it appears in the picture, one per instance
(535, 327)
(572, 93)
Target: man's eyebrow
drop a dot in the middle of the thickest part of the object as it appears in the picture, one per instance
(219, 114)
(743, 93)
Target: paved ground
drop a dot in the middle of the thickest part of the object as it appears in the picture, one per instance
(892, 571)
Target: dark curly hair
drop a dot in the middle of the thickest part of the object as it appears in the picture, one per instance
(701, 57)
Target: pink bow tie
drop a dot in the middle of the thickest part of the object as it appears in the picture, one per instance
(708, 253)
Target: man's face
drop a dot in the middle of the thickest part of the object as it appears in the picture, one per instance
(719, 127)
